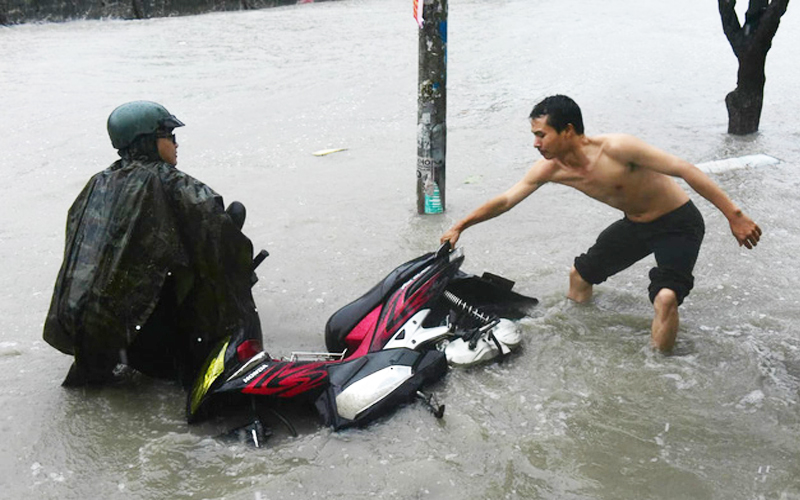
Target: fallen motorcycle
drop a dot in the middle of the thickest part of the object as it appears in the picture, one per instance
(383, 348)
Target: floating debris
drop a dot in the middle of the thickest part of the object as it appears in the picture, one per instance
(473, 179)
(324, 152)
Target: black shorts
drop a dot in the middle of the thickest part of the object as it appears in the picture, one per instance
(674, 238)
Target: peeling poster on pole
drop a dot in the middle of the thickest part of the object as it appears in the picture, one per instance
(430, 188)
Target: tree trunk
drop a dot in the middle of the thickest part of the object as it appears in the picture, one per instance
(750, 43)
(745, 102)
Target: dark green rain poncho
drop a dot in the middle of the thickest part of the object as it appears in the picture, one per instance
(154, 273)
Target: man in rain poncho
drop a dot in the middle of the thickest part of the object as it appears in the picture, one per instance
(155, 270)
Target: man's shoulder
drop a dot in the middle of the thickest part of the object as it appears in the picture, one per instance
(543, 170)
(615, 140)
(621, 147)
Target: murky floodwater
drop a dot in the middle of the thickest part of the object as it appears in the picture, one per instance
(585, 411)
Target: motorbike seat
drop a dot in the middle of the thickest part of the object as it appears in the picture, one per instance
(345, 319)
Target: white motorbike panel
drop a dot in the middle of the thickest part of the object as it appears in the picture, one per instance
(413, 335)
(369, 390)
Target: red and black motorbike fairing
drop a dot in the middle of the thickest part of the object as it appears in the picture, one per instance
(372, 320)
(273, 378)
(287, 379)
(492, 294)
(150, 254)
(384, 308)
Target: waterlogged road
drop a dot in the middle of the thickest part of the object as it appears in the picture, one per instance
(585, 411)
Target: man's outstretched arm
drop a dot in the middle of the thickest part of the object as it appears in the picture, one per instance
(746, 232)
(499, 204)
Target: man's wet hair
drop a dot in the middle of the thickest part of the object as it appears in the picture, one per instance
(560, 111)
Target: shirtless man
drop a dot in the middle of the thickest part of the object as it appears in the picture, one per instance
(628, 174)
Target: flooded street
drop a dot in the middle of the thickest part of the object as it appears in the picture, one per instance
(585, 411)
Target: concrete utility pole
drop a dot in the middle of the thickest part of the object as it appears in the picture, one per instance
(432, 108)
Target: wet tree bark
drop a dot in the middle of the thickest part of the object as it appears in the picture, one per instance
(750, 43)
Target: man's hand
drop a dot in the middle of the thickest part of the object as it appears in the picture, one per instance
(451, 235)
(745, 231)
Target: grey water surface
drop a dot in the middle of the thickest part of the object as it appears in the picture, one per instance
(585, 410)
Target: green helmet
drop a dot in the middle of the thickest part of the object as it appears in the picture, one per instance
(133, 119)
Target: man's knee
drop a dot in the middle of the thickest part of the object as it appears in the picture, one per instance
(666, 300)
(679, 283)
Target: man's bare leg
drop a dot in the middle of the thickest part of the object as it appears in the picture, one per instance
(665, 321)
(580, 290)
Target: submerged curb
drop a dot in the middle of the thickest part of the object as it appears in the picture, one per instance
(749, 161)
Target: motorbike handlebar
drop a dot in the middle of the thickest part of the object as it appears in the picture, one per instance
(259, 258)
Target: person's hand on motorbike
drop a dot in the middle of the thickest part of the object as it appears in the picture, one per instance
(451, 235)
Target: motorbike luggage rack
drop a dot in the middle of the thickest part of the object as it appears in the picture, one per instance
(316, 356)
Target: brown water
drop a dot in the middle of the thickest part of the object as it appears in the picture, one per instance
(585, 411)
